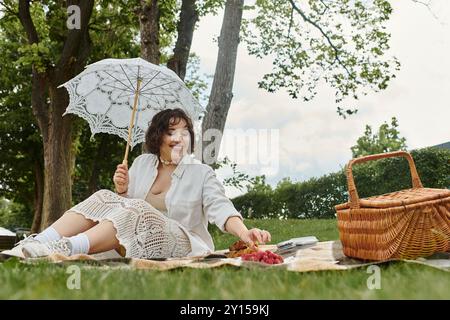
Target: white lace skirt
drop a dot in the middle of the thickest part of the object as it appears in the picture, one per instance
(143, 231)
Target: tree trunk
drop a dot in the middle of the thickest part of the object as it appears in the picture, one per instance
(149, 28)
(38, 196)
(57, 159)
(221, 91)
(185, 28)
(55, 129)
(39, 87)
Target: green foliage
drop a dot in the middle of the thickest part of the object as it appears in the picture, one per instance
(205, 7)
(387, 175)
(168, 11)
(258, 201)
(196, 82)
(20, 141)
(387, 139)
(237, 179)
(49, 20)
(342, 43)
(97, 161)
(316, 197)
(14, 215)
(36, 54)
(113, 32)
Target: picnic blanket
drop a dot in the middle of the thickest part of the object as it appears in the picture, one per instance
(327, 255)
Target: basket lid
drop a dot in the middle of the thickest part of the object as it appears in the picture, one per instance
(399, 198)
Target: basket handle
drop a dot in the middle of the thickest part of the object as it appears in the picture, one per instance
(353, 193)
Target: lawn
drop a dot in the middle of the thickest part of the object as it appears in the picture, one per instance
(398, 280)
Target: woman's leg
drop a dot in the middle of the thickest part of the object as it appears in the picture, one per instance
(102, 237)
(72, 223)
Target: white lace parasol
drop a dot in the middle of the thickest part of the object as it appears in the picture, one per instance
(121, 96)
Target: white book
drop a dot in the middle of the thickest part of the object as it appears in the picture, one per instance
(297, 242)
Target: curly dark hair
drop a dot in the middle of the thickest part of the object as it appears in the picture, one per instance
(159, 125)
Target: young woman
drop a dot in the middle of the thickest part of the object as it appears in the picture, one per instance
(160, 208)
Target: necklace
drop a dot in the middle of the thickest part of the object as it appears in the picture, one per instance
(165, 162)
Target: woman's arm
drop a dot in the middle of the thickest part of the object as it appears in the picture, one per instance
(221, 211)
(236, 227)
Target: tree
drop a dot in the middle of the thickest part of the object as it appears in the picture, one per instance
(340, 43)
(55, 57)
(157, 24)
(190, 13)
(387, 139)
(149, 16)
(222, 87)
(53, 53)
(221, 91)
(186, 24)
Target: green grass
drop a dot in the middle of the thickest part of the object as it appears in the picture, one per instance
(398, 280)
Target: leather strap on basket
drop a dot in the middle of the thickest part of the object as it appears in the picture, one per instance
(353, 193)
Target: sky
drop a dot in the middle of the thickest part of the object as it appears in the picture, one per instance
(311, 139)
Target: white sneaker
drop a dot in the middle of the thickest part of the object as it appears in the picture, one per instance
(37, 249)
(17, 250)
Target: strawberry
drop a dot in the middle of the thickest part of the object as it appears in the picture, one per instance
(263, 256)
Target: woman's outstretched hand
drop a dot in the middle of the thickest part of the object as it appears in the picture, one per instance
(121, 179)
(255, 235)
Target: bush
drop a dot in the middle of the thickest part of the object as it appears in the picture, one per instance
(258, 199)
(14, 215)
(316, 197)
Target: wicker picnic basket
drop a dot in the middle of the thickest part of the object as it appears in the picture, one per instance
(405, 224)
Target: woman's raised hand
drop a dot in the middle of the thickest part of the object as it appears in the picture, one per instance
(255, 235)
(121, 178)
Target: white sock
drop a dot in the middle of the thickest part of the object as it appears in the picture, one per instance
(80, 244)
(49, 234)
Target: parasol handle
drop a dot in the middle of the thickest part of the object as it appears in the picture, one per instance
(130, 128)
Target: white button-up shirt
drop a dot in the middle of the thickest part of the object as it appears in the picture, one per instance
(195, 197)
